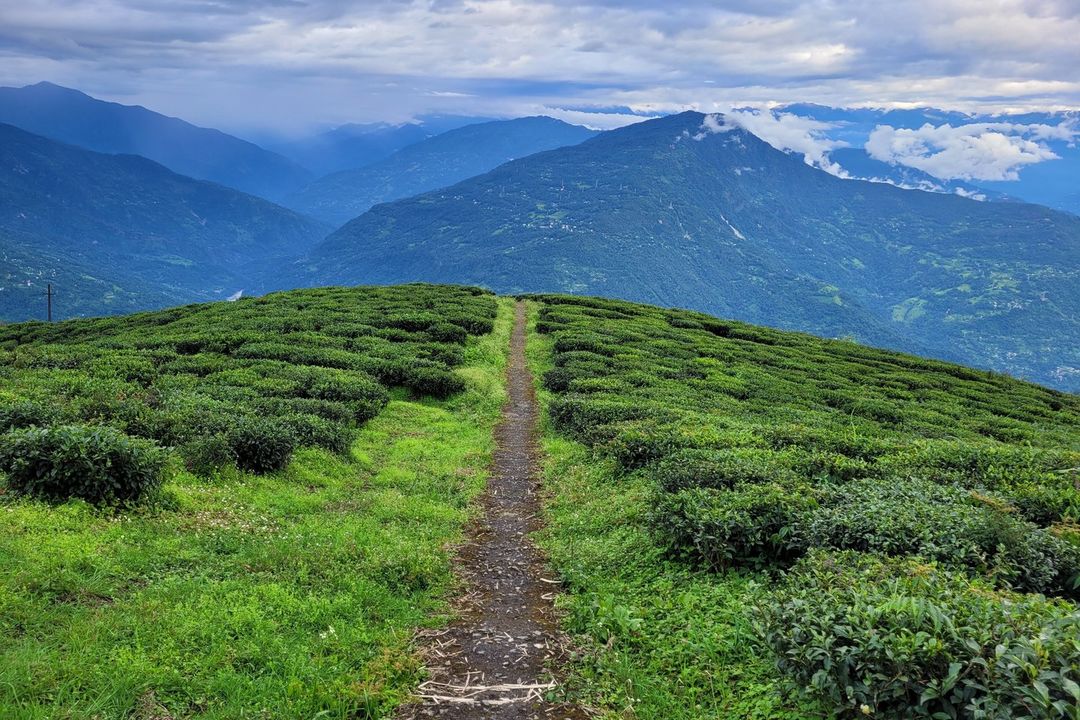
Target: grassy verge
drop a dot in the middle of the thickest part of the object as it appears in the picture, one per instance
(660, 641)
(292, 595)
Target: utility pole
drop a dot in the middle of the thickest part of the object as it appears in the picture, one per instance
(49, 294)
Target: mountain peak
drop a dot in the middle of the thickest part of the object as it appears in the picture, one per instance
(686, 211)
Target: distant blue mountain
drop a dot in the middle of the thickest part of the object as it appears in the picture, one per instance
(434, 163)
(1055, 183)
(73, 117)
(357, 145)
(117, 233)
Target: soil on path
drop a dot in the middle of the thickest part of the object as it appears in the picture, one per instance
(496, 660)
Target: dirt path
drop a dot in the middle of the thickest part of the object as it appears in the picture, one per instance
(495, 660)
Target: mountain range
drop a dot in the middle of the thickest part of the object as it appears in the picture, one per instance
(676, 211)
(430, 164)
(121, 232)
(355, 145)
(73, 117)
(671, 213)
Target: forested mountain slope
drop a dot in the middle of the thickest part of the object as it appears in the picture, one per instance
(669, 212)
(121, 220)
(73, 117)
(430, 164)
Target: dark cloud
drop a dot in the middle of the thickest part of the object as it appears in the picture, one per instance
(289, 63)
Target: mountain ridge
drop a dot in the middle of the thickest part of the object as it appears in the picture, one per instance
(129, 221)
(73, 117)
(436, 162)
(666, 212)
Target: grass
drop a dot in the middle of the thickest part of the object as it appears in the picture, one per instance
(290, 595)
(759, 524)
(659, 640)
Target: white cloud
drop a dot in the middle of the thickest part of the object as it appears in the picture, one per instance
(972, 194)
(977, 151)
(298, 62)
(783, 131)
(591, 120)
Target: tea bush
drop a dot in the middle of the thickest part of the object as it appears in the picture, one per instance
(309, 365)
(261, 446)
(902, 639)
(928, 509)
(96, 464)
(26, 413)
(754, 526)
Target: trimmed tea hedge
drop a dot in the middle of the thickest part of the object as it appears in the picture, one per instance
(243, 382)
(98, 464)
(922, 512)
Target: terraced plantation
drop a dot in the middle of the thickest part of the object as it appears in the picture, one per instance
(759, 524)
(274, 562)
(251, 509)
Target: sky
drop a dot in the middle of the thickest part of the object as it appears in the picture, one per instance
(287, 66)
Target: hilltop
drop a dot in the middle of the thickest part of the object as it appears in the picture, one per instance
(741, 521)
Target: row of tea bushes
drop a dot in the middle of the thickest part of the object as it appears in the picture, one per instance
(913, 515)
(241, 383)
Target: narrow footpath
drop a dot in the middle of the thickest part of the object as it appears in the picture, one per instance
(496, 659)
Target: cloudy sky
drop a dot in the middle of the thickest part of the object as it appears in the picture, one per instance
(290, 64)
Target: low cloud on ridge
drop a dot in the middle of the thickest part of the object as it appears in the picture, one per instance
(784, 131)
(977, 151)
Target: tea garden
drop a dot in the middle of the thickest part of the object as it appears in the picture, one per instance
(899, 534)
(243, 510)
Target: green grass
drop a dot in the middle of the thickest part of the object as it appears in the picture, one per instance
(725, 501)
(660, 640)
(290, 595)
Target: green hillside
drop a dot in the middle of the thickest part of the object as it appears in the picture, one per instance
(667, 213)
(26, 270)
(219, 509)
(70, 116)
(739, 510)
(434, 163)
(312, 482)
(94, 221)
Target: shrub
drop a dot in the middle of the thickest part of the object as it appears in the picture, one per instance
(97, 464)
(722, 469)
(753, 526)
(26, 413)
(261, 446)
(207, 454)
(363, 395)
(1046, 504)
(412, 321)
(314, 431)
(432, 381)
(557, 379)
(447, 333)
(901, 519)
(635, 443)
(901, 639)
(947, 524)
(575, 415)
